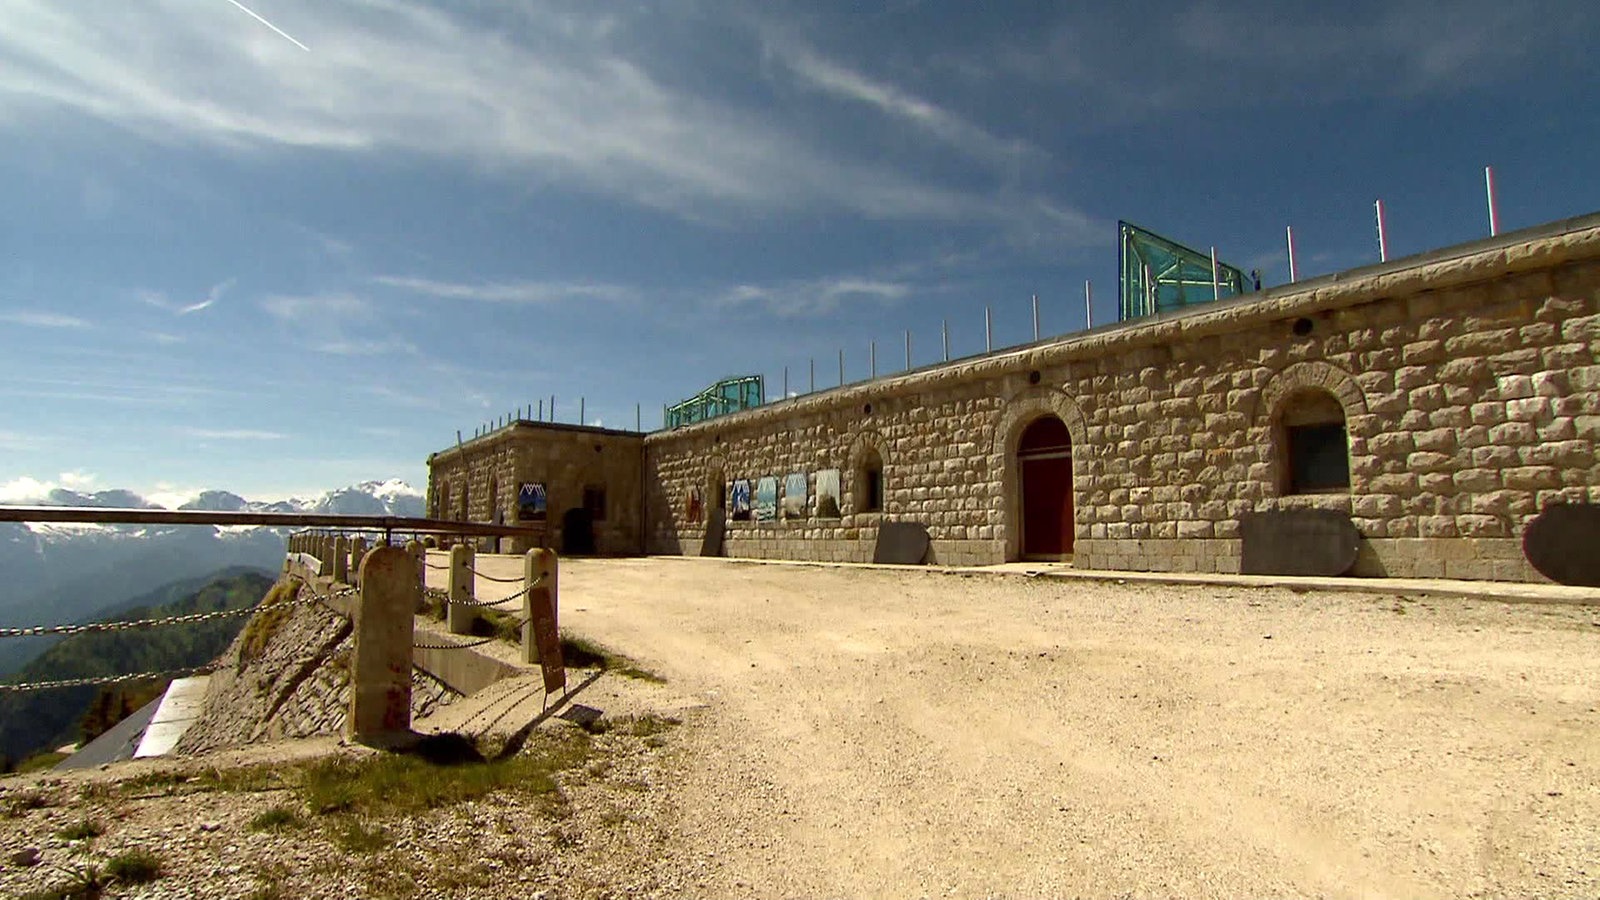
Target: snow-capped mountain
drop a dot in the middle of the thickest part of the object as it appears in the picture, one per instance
(60, 573)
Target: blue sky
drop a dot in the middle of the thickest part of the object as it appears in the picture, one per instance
(229, 262)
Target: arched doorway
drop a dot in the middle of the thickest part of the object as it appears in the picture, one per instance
(1044, 461)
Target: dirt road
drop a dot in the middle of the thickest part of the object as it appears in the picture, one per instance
(872, 733)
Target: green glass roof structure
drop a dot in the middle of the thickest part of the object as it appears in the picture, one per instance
(1157, 275)
(730, 395)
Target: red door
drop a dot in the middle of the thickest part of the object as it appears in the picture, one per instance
(1044, 458)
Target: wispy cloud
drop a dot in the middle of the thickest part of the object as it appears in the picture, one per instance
(580, 100)
(36, 319)
(832, 77)
(233, 434)
(297, 309)
(528, 292)
(364, 347)
(813, 296)
(160, 300)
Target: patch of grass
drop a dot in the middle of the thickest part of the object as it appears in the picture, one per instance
(275, 819)
(581, 653)
(402, 784)
(640, 726)
(355, 836)
(19, 804)
(243, 780)
(134, 867)
(273, 611)
(84, 830)
(41, 761)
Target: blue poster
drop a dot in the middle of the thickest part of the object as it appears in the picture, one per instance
(741, 501)
(531, 501)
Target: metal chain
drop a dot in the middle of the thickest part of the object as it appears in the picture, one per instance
(187, 619)
(478, 643)
(492, 578)
(106, 679)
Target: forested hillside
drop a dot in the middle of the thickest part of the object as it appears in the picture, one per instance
(39, 720)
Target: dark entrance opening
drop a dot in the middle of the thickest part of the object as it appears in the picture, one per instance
(1044, 464)
(577, 532)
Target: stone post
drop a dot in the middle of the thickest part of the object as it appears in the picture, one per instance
(358, 551)
(419, 558)
(536, 564)
(341, 560)
(325, 553)
(460, 617)
(380, 673)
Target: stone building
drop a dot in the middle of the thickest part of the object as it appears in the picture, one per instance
(1438, 401)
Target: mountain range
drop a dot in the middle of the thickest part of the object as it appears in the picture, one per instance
(54, 573)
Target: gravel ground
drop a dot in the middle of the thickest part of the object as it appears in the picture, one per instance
(877, 733)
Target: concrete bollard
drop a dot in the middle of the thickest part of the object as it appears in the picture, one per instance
(325, 553)
(536, 564)
(419, 557)
(460, 617)
(358, 551)
(380, 673)
(341, 560)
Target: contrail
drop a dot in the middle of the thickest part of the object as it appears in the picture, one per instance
(280, 31)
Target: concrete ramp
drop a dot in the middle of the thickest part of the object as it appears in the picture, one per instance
(180, 707)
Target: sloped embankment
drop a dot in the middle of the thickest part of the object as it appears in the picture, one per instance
(287, 675)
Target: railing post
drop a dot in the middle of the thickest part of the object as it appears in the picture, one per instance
(380, 673)
(460, 616)
(325, 554)
(341, 560)
(539, 597)
(358, 552)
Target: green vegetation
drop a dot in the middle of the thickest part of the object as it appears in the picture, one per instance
(402, 784)
(355, 836)
(84, 830)
(19, 804)
(276, 608)
(275, 819)
(41, 761)
(38, 720)
(134, 867)
(582, 653)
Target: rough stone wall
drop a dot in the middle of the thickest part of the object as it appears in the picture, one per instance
(1468, 383)
(566, 458)
(298, 687)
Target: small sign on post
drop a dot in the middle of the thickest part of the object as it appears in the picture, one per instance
(541, 637)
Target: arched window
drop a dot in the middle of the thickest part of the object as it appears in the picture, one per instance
(869, 482)
(1313, 446)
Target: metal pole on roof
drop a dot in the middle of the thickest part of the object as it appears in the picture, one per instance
(541, 409)
(908, 351)
(1383, 237)
(841, 367)
(638, 420)
(813, 374)
(1288, 231)
(1494, 208)
(1216, 281)
(552, 407)
(988, 331)
(1088, 305)
(785, 382)
(872, 357)
(581, 415)
(1036, 317)
(944, 329)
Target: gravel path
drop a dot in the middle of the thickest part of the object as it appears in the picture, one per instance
(903, 734)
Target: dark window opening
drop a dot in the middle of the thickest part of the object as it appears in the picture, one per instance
(594, 500)
(870, 484)
(1318, 458)
(1315, 445)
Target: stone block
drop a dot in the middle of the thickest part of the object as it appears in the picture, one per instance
(1429, 397)
(1478, 526)
(1418, 352)
(1530, 409)
(1430, 462)
(1527, 478)
(1437, 526)
(1442, 440)
(1395, 443)
(1510, 434)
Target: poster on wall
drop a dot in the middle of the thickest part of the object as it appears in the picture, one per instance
(531, 501)
(766, 499)
(693, 507)
(794, 496)
(741, 501)
(828, 494)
